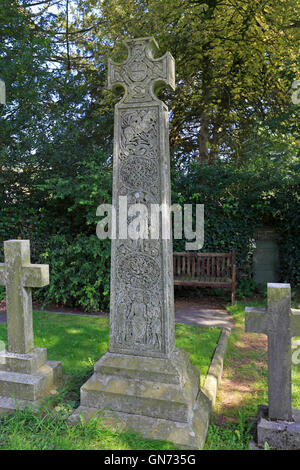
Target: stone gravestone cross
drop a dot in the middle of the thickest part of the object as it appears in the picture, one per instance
(143, 381)
(25, 373)
(280, 324)
(19, 276)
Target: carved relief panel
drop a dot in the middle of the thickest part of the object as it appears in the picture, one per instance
(141, 297)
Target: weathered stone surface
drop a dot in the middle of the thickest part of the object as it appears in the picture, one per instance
(38, 379)
(9, 405)
(142, 305)
(214, 373)
(145, 368)
(144, 383)
(25, 374)
(170, 406)
(19, 275)
(23, 363)
(169, 397)
(280, 435)
(184, 435)
(279, 426)
(275, 321)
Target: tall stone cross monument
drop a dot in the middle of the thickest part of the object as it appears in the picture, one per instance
(25, 374)
(142, 307)
(281, 427)
(144, 381)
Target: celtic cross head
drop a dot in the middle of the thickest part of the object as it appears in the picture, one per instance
(141, 75)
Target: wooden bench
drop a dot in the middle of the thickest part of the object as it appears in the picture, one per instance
(205, 270)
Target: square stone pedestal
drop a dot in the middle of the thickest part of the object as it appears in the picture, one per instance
(27, 378)
(159, 398)
(280, 435)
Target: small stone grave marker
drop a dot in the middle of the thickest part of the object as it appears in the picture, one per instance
(25, 374)
(281, 427)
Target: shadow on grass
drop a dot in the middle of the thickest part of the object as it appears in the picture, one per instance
(245, 378)
(78, 342)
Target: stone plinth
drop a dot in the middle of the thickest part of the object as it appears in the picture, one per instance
(159, 398)
(26, 376)
(280, 435)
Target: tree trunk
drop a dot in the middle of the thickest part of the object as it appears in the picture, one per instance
(204, 139)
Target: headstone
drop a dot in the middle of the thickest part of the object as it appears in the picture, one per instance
(143, 381)
(25, 374)
(281, 426)
(265, 256)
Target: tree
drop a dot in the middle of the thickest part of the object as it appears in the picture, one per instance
(231, 57)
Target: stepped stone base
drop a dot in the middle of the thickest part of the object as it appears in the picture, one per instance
(280, 435)
(25, 379)
(159, 398)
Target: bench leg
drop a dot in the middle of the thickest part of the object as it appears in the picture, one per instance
(233, 295)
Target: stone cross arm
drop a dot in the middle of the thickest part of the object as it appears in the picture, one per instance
(141, 75)
(295, 322)
(32, 275)
(35, 275)
(256, 320)
(259, 320)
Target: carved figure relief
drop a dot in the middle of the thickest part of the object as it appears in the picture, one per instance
(139, 319)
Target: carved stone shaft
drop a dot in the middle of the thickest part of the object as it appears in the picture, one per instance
(142, 305)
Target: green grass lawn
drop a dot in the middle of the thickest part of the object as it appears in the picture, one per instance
(252, 370)
(78, 342)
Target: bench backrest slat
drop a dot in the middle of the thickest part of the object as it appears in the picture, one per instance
(193, 265)
(228, 266)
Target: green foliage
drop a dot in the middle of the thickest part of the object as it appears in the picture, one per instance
(235, 63)
(49, 430)
(2, 293)
(237, 201)
(234, 71)
(79, 272)
(246, 287)
(234, 437)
